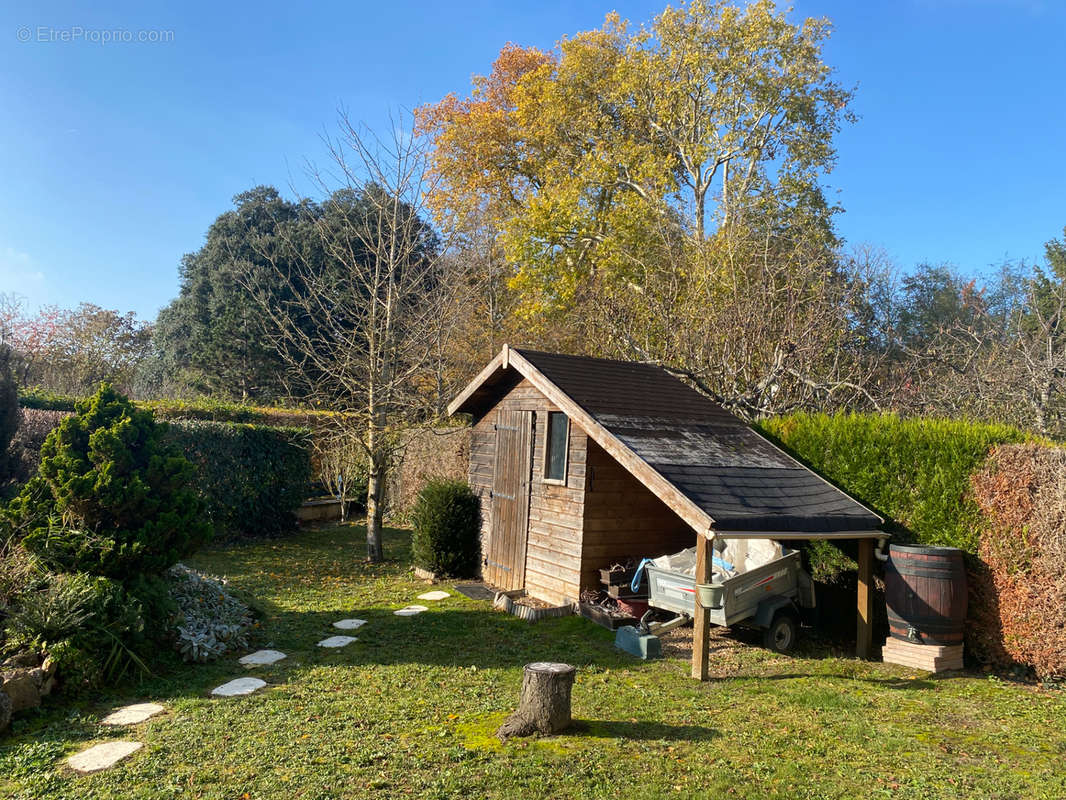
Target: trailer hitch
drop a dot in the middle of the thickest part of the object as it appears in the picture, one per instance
(647, 626)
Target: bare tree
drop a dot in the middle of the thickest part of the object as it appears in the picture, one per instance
(761, 322)
(1036, 347)
(360, 329)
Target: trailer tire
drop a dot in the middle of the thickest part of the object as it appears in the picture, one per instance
(781, 635)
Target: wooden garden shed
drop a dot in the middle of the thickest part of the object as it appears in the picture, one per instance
(581, 462)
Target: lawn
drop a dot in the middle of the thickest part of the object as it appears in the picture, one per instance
(410, 710)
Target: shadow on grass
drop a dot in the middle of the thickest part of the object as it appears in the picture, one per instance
(484, 639)
(641, 731)
(928, 682)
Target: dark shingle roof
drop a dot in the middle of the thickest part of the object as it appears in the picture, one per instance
(737, 477)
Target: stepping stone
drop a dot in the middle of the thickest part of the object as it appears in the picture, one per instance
(337, 641)
(132, 715)
(238, 686)
(261, 658)
(102, 756)
(410, 611)
(349, 624)
(436, 594)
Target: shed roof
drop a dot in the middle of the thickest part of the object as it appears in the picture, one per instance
(715, 471)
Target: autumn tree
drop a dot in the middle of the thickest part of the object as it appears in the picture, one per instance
(580, 153)
(657, 195)
(72, 351)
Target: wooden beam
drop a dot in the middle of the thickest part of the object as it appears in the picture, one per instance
(474, 385)
(800, 535)
(864, 631)
(701, 626)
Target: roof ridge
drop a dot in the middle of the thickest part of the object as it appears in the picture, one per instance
(620, 361)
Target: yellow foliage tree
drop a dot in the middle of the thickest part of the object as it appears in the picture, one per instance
(590, 157)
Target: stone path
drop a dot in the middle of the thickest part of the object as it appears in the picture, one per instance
(349, 624)
(261, 658)
(102, 756)
(436, 594)
(107, 754)
(132, 715)
(238, 687)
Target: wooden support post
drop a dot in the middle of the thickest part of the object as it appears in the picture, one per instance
(864, 630)
(701, 628)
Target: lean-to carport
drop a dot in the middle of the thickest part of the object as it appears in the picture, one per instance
(864, 591)
(709, 468)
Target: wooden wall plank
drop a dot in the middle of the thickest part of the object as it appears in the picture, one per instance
(623, 518)
(554, 515)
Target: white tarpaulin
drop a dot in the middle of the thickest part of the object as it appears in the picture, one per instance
(731, 557)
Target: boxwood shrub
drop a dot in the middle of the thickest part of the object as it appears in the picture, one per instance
(252, 478)
(447, 522)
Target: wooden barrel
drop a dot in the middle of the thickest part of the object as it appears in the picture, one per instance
(925, 589)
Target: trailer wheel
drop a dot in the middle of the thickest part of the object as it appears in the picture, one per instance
(781, 635)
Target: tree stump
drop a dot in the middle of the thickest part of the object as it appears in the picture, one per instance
(544, 705)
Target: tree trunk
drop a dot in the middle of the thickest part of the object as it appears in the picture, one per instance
(375, 491)
(544, 705)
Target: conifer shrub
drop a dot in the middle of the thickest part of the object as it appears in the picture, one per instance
(914, 472)
(110, 497)
(447, 520)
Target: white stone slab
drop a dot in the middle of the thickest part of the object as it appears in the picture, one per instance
(337, 641)
(261, 658)
(102, 756)
(349, 624)
(410, 611)
(238, 686)
(436, 594)
(132, 715)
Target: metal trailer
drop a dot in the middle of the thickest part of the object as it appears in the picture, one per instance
(768, 597)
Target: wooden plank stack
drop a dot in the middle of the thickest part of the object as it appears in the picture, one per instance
(928, 657)
(617, 583)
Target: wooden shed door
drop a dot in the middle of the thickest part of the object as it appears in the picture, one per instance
(505, 566)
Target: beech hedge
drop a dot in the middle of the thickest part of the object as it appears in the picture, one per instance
(252, 478)
(1018, 591)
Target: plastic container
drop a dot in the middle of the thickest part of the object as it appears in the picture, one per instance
(710, 594)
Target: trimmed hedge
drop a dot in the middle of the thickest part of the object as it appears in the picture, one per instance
(913, 472)
(252, 477)
(46, 401)
(1019, 616)
(447, 520)
(275, 459)
(202, 409)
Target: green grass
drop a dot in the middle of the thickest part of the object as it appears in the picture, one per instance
(410, 709)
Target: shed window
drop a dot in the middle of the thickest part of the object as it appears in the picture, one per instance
(556, 447)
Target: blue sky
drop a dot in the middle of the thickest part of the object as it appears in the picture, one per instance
(115, 157)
